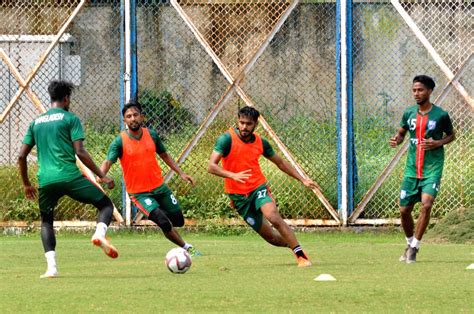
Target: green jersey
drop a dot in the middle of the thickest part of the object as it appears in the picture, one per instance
(425, 163)
(224, 143)
(115, 149)
(53, 134)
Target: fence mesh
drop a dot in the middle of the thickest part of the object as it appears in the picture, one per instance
(88, 55)
(295, 75)
(190, 51)
(387, 55)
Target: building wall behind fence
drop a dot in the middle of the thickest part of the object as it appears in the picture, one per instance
(89, 55)
(292, 83)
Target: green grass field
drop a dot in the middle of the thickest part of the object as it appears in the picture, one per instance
(237, 274)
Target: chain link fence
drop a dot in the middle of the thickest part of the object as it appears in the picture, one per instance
(200, 61)
(88, 55)
(191, 51)
(387, 55)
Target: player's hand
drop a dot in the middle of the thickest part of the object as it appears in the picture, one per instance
(429, 143)
(106, 180)
(241, 176)
(30, 192)
(311, 184)
(188, 179)
(394, 141)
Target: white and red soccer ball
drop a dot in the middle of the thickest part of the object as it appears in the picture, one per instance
(178, 260)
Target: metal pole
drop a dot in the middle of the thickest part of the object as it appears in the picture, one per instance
(351, 156)
(341, 110)
(127, 83)
(122, 95)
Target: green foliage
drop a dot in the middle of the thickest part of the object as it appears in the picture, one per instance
(164, 112)
(194, 209)
(216, 227)
(98, 141)
(21, 209)
(311, 139)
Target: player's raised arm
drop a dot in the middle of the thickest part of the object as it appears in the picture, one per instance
(87, 160)
(175, 167)
(214, 168)
(105, 167)
(287, 168)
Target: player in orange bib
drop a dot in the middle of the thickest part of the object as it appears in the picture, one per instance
(240, 149)
(137, 148)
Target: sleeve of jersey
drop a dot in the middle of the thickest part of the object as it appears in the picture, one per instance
(29, 138)
(403, 122)
(447, 125)
(267, 149)
(223, 144)
(115, 150)
(160, 147)
(76, 131)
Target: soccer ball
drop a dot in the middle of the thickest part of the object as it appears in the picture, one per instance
(178, 260)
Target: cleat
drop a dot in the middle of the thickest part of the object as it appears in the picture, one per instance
(403, 258)
(50, 273)
(303, 261)
(411, 255)
(108, 248)
(193, 252)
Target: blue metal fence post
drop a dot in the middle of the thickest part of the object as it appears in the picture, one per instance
(129, 80)
(338, 105)
(344, 110)
(133, 51)
(122, 84)
(351, 155)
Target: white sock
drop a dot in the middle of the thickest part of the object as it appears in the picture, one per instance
(415, 243)
(409, 240)
(186, 246)
(51, 259)
(100, 230)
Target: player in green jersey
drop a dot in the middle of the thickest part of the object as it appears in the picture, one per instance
(136, 148)
(430, 128)
(239, 150)
(58, 136)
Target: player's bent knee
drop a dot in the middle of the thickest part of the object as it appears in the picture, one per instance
(177, 219)
(103, 203)
(47, 218)
(276, 221)
(106, 209)
(426, 209)
(405, 210)
(158, 217)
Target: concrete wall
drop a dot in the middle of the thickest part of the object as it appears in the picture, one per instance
(295, 74)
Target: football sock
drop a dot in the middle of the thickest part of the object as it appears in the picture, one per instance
(51, 259)
(299, 251)
(100, 230)
(409, 240)
(415, 243)
(186, 246)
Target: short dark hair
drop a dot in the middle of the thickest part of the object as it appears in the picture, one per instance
(425, 80)
(58, 90)
(249, 112)
(131, 104)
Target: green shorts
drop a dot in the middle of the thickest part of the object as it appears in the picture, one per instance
(248, 206)
(80, 189)
(161, 197)
(412, 188)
